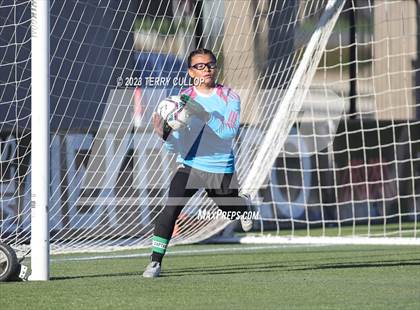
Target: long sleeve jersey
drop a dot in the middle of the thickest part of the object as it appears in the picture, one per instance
(208, 146)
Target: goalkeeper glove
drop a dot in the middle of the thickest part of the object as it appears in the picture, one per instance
(166, 130)
(161, 126)
(194, 108)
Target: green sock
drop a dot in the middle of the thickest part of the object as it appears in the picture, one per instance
(159, 246)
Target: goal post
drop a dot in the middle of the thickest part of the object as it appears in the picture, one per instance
(40, 141)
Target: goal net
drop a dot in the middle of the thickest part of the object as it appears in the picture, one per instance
(329, 139)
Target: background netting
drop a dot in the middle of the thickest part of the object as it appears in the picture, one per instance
(330, 135)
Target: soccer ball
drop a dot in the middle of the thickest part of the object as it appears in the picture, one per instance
(172, 111)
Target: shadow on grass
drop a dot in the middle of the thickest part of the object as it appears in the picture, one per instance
(256, 268)
(274, 267)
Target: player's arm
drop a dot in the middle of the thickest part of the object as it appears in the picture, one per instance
(226, 126)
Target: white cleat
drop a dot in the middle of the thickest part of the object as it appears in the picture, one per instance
(152, 270)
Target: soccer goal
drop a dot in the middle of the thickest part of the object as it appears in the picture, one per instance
(329, 144)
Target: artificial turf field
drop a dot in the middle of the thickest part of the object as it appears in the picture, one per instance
(230, 277)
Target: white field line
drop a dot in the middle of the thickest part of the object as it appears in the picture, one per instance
(186, 252)
(329, 240)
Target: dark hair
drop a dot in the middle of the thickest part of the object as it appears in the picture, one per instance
(200, 51)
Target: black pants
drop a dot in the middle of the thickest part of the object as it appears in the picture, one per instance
(222, 188)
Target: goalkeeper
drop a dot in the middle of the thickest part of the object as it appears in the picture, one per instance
(205, 154)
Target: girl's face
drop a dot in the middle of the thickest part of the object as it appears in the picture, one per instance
(203, 70)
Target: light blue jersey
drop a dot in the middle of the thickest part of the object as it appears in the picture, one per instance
(208, 146)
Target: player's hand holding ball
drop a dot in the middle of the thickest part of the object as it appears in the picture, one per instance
(194, 108)
(175, 112)
(170, 114)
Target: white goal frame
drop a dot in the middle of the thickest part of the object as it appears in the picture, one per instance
(40, 106)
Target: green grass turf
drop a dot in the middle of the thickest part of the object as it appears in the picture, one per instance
(237, 277)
